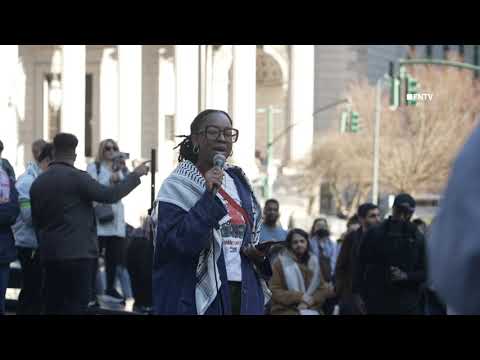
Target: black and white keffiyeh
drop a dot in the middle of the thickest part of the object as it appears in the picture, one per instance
(183, 188)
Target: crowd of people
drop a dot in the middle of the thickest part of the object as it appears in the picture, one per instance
(50, 222)
(208, 248)
(376, 267)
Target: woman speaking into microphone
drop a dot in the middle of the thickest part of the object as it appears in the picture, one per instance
(209, 220)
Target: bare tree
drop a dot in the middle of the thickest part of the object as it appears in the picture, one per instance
(417, 143)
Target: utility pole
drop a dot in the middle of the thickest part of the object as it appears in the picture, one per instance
(376, 141)
(268, 184)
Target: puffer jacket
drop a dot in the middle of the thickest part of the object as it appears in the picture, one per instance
(23, 230)
(8, 214)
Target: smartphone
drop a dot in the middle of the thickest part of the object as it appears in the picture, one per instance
(267, 244)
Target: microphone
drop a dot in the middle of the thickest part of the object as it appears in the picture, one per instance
(218, 161)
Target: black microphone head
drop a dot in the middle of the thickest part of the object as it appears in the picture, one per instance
(219, 160)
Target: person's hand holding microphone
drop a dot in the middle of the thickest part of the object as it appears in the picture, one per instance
(214, 176)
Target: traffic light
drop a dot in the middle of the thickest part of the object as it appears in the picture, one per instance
(344, 122)
(394, 92)
(349, 122)
(354, 122)
(411, 90)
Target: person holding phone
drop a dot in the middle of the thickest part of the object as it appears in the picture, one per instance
(64, 219)
(109, 168)
(391, 266)
(272, 231)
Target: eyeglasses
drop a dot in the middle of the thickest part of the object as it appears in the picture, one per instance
(213, 132)
(110, 148)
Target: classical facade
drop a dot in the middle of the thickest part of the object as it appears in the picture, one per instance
(144, 95)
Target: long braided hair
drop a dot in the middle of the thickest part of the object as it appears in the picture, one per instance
(186, 146)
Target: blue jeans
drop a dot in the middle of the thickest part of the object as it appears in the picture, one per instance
(4, 271)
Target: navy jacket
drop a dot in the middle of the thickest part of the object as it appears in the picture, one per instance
(8, 215)
(181, 236)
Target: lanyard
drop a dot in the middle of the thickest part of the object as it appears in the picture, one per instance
(237, 207)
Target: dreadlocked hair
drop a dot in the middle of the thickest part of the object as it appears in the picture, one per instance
(186, 146)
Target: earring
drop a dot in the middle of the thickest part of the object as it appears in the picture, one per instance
(196, 149)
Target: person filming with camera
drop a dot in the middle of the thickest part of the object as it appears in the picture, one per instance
(108, 169)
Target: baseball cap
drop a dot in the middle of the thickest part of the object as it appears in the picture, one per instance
(405, 201)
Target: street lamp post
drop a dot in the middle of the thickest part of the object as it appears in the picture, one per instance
(376, 141)
(268, 185)
(376, 137)
(270, 111)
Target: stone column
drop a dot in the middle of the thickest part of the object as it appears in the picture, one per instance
(166, 108)
(109, 92)
(73, 96)
(130, 99)
(130, 125)
(244, 106)
(8, 118)
(186, 87)
(301, 101)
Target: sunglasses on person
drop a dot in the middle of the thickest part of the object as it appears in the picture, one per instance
(110, 148)
(213, 132)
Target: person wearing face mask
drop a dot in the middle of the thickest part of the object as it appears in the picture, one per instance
(392, 263)
(326, 252)
(30, 299)
(297, 285)
(323, 247)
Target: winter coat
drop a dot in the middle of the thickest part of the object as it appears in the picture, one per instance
(398, 244)
(285, 301)
(23, 228)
